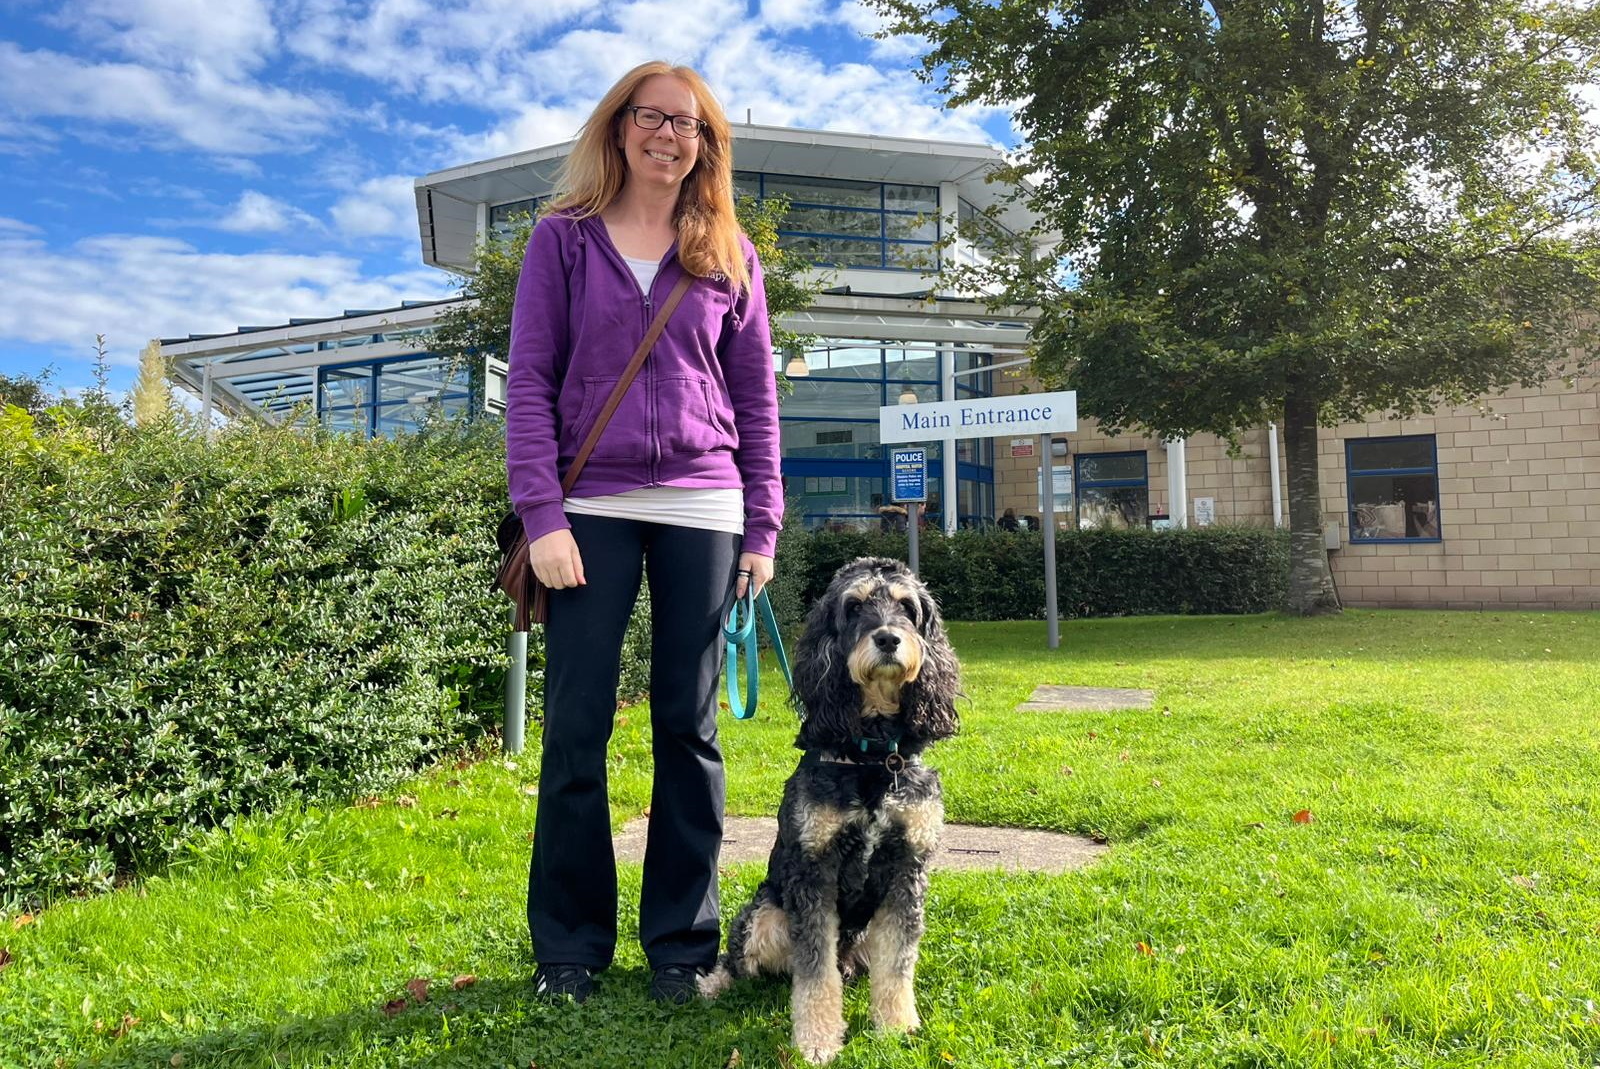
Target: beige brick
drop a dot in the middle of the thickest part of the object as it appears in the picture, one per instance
(1475, 438)
(1541, 403)
(1514, 499)
(1526, 452)
(1572, 576)
(1491, 484)
(1547, 529)
(1564, 418)
(1540, 435)
(1575, 399)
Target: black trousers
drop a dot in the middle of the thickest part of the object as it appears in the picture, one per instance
(572, 882)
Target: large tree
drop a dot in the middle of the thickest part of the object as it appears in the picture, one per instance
(1292, 210)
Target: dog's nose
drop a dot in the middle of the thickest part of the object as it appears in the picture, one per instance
(887, 641)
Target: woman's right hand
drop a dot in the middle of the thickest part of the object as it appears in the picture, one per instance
(556, 561)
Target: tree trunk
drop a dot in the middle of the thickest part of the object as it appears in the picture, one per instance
(1311, 590)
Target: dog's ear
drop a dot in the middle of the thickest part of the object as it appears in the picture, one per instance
(929, 701)
(824, 695)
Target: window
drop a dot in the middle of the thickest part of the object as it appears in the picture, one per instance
(392, 396)
(844, 223)
(1394, 489)
(1113, 490)
(503, 218)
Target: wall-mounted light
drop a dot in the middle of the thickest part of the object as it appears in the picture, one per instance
(908, 396)
(1058, 447)
(797, 368)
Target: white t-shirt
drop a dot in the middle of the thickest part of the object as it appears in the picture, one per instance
(711, 509)
(644, 271)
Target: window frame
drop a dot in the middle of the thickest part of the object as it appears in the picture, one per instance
(1080, 484)
(1352, 473)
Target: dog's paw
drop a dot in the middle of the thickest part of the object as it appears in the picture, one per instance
(819, 1046)
(714, 982)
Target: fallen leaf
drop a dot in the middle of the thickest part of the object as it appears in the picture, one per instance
(1094, 734)
(1123, 756)
(510, 766)
(5, 957)
(1304, 817)
(723, 706)
(418, 989)
(1528, 883)
(646, 811)
(367, 803)
(622, 721)
(1098, 837)
(452, 783)
(464, 980)
(394, 1006)
(1144, 948)
(462, 765)
(734, 1059)
(1155, 783)
(129, 1023)
(21, 920)
(176, 1061)
(1256, 824)
(530, 789)
(406, 801)
(1066, 770)
(1180, 949)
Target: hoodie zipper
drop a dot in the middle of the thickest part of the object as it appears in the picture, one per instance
(653, 452)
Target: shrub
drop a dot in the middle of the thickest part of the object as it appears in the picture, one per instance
(191, 631)
(999, 575)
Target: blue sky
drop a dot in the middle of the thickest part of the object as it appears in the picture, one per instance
(177, 166)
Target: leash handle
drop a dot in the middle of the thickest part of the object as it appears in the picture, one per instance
(739, 629)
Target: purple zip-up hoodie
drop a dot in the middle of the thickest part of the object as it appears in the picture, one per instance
(703, 411)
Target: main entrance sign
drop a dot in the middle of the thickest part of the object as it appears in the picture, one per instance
(980, 417)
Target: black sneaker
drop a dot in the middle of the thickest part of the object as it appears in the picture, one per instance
(552, 983)
(675, 984)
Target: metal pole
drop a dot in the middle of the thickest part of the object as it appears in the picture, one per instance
(914, 521)
(1178, 482)
(1047, 513)
(949, 498)
(516, 687)
(1272, 466)
(205, 400)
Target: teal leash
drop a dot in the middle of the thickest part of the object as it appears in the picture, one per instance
(739, 629)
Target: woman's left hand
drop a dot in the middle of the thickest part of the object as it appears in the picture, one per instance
(756, 569)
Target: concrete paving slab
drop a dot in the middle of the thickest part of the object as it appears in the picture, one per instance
(963, 846)
(1049, 699)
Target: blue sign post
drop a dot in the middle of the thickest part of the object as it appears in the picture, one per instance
(909, 477)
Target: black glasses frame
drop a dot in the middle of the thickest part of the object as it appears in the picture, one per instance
(695, 130)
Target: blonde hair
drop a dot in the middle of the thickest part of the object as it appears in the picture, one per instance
(592, 176)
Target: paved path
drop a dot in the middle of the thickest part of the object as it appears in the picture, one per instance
(963, 846)
(1047, 699)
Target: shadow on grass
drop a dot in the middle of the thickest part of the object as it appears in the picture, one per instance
(496, 1023)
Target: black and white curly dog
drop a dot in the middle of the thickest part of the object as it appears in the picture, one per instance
(875, 683)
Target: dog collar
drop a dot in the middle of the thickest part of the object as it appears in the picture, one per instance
(889, 759)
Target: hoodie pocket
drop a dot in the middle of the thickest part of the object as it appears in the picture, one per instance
(681, 417)
(684, 423)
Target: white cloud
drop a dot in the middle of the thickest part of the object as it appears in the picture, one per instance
(196, 107)
(868, 22)
(257, 213)
(381, 207)
(173, 33)
(133, 288)
(792, 14)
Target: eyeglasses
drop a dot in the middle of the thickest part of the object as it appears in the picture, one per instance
(652, 118)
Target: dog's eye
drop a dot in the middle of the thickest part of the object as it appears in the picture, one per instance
(852, 609)
(910, 607)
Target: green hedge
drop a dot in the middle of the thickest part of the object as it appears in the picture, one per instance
(191, 631)
(998, 575)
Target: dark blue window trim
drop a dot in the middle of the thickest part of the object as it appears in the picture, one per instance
(1099, 484)
(1352, 473)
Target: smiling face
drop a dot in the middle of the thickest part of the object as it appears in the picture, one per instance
(659, 158)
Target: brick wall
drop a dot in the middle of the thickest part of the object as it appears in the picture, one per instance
(1519, 507)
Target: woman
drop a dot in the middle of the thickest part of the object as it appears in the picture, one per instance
(682, 488)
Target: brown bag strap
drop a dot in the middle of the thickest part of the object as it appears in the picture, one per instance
(657, 325)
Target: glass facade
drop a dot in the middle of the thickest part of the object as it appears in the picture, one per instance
(837, 222)
(835, 468)
(392, 396)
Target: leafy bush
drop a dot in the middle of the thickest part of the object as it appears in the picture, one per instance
(999, 575)
(190, 631)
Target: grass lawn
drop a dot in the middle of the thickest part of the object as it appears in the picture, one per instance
(1440, 907)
